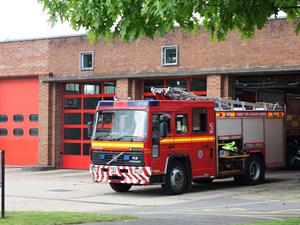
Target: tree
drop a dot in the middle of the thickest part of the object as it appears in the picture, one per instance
(131, 19)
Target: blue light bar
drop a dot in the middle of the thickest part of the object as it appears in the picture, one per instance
(105, 103)
(143, 103)
(127, 157)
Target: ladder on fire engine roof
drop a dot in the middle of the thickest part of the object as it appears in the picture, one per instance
(175, 93)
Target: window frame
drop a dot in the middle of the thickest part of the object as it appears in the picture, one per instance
(185, 116)
(163, 55)
(81, 61)
(206, 120)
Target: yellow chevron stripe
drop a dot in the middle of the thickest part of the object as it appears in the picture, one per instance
(113, 144)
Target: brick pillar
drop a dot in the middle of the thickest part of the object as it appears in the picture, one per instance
(135, 87)
(55, 158)
(128, 88)
(44, 134)
(226, 87)
(122, 89)
(214, 85)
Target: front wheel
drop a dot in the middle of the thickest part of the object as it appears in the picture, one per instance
(120, 187)
(254, 172)
(176, 179)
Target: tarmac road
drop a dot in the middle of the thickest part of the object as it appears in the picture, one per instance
(221, 202)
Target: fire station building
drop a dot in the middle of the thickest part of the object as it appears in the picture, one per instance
(49, 87)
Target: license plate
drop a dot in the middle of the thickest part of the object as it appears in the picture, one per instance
(113, 170)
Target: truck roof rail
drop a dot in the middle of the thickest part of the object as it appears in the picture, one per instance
(175, 93)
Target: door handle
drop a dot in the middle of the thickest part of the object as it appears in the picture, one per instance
(205, 145)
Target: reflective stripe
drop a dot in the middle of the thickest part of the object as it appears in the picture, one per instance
(187, 139)
(113, 144)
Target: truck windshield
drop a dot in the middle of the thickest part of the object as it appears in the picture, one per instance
(120, 125)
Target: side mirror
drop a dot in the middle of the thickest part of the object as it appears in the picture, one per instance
(90, 128)
(163, 129)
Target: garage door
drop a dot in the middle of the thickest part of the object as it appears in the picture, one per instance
(19, 120)
(80, 101)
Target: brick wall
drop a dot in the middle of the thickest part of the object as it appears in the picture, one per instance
(21, 58)
(274, 46)
(214, 85)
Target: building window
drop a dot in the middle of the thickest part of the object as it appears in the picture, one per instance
(18, 118)
(33, 132)
(18, 132)
(3, 118)
(34, 117)
(72, 89)
(148, 84)
(198, 84)
(72, 103)
(86, 61)
(170, 55)
(92, 89)
(181, 83)
(3, 132)
(109, 87)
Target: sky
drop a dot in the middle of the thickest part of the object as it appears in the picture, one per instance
(25, 19)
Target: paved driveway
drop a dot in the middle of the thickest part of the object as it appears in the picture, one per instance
(219, 203)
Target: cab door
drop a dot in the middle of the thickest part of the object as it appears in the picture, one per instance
(182, 136)
(203, 143)
(160, 146)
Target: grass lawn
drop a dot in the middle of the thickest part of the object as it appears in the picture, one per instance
(294, 221)
(56, 218)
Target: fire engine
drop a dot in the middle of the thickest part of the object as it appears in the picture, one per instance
(181, 138)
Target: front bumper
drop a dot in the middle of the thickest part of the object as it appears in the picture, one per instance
(121, 174)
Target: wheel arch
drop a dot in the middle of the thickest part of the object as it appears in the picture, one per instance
(185, 159)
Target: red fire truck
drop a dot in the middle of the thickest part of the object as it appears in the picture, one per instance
(187, 139)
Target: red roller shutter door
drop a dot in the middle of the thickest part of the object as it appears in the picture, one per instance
(19, 120)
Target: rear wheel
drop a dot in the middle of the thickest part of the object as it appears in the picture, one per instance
(120, 187)
(254, 172)
(176, 179)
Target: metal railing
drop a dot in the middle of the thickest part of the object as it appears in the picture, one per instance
(220, 103)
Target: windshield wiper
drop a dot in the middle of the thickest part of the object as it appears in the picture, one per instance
(123, 136)
(100, 138)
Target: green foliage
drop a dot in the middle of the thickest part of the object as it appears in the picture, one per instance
(56, 218)
(132, 19)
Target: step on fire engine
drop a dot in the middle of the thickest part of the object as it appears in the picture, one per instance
(182, 138)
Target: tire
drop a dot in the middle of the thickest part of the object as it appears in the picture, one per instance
(254, 172)
(120, 187)
(176, 179)
(203, 181)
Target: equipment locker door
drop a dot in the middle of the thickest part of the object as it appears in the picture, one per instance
(203, 142)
